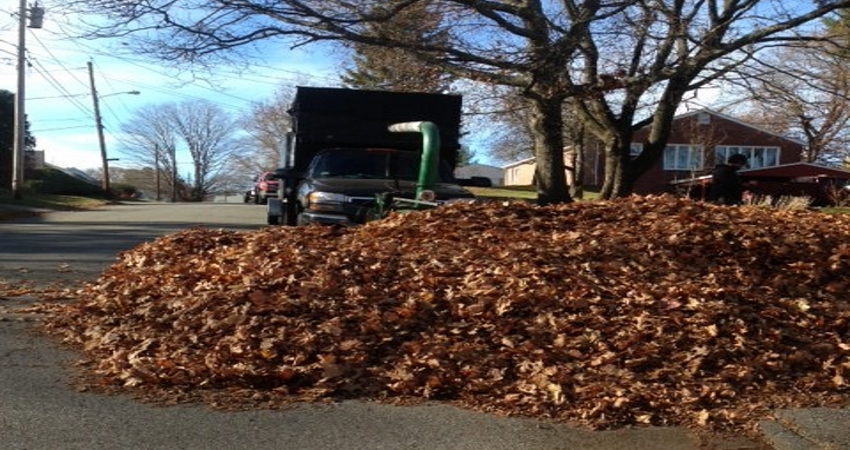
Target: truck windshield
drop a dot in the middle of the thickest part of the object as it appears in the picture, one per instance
(369, 164)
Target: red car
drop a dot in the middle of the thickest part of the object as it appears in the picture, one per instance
(265, 186)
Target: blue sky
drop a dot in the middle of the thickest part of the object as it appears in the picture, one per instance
(59, 104)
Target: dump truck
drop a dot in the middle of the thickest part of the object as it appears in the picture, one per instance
(355, 155)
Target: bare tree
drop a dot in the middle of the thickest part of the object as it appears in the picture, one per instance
(610, 57)
(266, 127)
(802, 91)
(149, 140)
(208, 132)
(663, 50)
(155, 134)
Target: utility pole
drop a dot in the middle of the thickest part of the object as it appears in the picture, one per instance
(36, 17)
(156, 173)
(99, 122)
(173, 173)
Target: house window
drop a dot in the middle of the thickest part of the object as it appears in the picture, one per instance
(757, 157)
(683, 157)
(635, 149)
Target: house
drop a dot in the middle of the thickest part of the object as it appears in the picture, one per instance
(495, 174)
(701, 139)
(698, 141)
(520, 173)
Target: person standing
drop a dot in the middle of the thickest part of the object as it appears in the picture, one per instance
(727, 188)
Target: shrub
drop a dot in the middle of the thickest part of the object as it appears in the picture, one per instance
(51, 181)
(782, 202)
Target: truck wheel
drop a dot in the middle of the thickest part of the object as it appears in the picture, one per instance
(273, 220)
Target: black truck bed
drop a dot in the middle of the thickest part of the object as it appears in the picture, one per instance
(338, 117)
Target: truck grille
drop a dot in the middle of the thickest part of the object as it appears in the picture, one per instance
(362, 201)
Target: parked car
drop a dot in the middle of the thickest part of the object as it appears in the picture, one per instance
(265, 186)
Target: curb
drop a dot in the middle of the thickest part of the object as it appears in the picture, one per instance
(781, 438)
(808, 429)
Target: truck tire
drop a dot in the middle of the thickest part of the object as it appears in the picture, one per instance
(273, 220)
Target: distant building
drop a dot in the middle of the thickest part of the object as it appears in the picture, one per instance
(520, 173)
(495, 174)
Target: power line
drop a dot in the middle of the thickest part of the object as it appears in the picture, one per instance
(39, 68)
(59, 62)
(46, 130)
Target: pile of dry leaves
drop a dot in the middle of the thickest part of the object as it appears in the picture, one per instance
(637, 311)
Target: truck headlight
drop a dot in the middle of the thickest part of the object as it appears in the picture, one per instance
(325, 201)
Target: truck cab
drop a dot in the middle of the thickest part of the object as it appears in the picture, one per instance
(340, 185)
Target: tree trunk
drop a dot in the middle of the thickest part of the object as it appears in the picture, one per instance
(621, 169)
(577, 188)
(612, 171)
(547, 125)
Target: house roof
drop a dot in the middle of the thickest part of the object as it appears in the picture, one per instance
(795, 170)
(519, 163)
(74, 172)
(480, 166)
(738, 121)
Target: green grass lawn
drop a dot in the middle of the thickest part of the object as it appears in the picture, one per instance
(505, 192)
(52, 201)
(516, 193)
(11, 207)
(837, 210)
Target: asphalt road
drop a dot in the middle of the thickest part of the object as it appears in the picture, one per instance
(39, 410)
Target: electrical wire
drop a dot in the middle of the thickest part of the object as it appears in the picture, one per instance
(48, 66)
(72, 98)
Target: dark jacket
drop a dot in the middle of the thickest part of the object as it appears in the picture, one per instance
(726, 188)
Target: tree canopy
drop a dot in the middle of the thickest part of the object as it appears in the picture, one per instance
(621, 63)
(7, 137)
(396, 69)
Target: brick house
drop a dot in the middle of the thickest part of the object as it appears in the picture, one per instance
(698, 140)
(701, 139)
